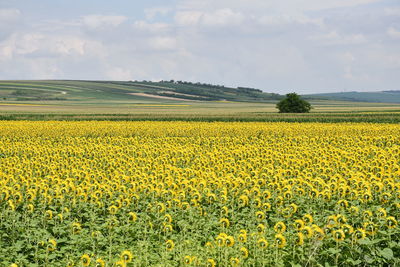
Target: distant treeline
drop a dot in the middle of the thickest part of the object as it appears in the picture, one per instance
(211, 92)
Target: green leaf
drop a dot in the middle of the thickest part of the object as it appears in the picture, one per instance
(369, 259)
(387, 253)
(353, 262)
(333, 251)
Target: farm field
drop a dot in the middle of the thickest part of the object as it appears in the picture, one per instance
(141, 193)
(140, 101)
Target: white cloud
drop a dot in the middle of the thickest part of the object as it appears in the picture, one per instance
(46, 45)
(217, 18)
(188, 18)
(152, 13)
(163, 43)
(334, 38)
(153, 28)
(97, 21)
(119, 74)
(392, 32)
(273, 45)
(9, 14)
(276, 20)
(392, 11)
(288, 6)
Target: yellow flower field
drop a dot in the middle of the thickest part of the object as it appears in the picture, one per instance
(199, 194)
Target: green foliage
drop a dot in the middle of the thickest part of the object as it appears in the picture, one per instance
(293, 104)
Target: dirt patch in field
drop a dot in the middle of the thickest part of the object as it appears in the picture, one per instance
(162, 97)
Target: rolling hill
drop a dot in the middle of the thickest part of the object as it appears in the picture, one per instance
(67, 90)
(376, 97)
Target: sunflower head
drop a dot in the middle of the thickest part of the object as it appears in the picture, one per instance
(187, 260)
(299, 239)
(359, 234)
(391, 222)
(229, 241)
(298, 224)
(234, 261)
(85, 260)
(52, 245)
(280, 227)
(169, 244)
(211, 263)
(224, 222)
(280, 241)
(338, 235)
(100, 263)
(260, 215)
(244, 252)
(262, 243)
(126, 256)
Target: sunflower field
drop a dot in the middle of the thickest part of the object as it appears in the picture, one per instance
(199, 194)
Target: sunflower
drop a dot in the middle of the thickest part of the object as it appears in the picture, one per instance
(298, 224)
(126, 256)
(170, 245)
(262, 243)
(266, 206)
(52, 245)
(359, 234)
(242, 237)
(229, 241)
(391, 222)
(85, 259)
(76, 227)
(319, 234)
(244, 252)
(280, 241)
(381, 213)
(260, 228)
(100, 263)
(49, 214)
(307, 231)
(234, 261)
(120, 264)
(347, 229)
(343, 203)
(167, 228)
(385, 197)
(338, 235)
(260, 215)
(220, 240)
(132, 216)
(370, 228)
(160, 207)
(280, 227)
(224, 222)
(367, 215)
(113, 209)
(340, 219)
(224, 211)
(299, 239)
(211, 263)
(187, 260)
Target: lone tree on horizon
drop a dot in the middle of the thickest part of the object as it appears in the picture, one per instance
(293, 104)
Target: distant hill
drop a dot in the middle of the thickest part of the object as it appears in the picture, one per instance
(60, 90)
(376, 97)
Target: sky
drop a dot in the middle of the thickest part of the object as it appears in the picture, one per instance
(280, 46)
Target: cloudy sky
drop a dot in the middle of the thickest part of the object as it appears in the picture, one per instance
(279, 46)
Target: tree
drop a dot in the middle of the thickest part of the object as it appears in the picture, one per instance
(293, 104)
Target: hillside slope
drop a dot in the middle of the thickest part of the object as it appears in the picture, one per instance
(376, 97)
(62, 90)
